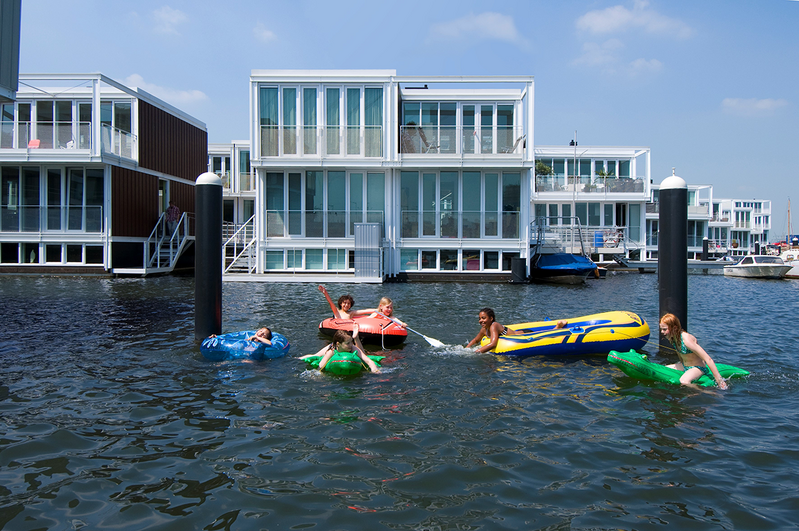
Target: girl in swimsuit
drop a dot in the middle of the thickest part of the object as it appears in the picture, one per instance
(344, 342)
(385, 308)
(491, 329)
(694, 361)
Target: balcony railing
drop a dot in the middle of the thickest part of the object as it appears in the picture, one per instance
(586, 184)
(318, 223)
(51, 218)
(246, 182)
(119, 142)
(452, 140)
(360, 141)
(465, 224)
(47, 135)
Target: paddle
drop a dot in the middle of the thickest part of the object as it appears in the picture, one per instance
(433, 342)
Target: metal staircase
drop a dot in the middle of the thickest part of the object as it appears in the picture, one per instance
(161, 249)
(239, 251)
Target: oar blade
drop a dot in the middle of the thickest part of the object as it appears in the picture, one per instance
(434, 342)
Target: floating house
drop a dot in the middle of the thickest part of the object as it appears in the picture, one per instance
(369, 175)
(88, 169)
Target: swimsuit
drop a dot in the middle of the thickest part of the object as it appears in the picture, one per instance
(504, 331)
(682, 349)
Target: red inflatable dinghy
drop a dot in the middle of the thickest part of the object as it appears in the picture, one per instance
(375, 330)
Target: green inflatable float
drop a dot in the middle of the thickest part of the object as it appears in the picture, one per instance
(636, 365)
(344, 363)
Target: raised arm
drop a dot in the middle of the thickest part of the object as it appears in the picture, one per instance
(330, 302)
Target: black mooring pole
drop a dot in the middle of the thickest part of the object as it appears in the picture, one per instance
(673, 251)
(208, 256)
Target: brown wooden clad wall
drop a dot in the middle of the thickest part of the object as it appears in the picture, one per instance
(170, 145)
(183, 195)
(134, 202)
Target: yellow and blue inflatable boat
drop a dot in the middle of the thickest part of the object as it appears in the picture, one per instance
(592, 334)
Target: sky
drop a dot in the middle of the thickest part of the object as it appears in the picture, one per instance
(711, 86)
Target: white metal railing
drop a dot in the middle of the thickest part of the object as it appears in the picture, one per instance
(459, 140)
(37, 218)
(162, 248)
(589, 184)
(242, 247)
(320, 140)
(46, 135)
(318, 223)
(119, 142)
(459, 224)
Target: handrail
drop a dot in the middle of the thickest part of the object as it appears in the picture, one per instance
(234, 239)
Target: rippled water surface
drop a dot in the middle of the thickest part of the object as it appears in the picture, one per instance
(111, 418)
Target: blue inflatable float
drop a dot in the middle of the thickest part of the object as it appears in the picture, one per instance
(234, 346)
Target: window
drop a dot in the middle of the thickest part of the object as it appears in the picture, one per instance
(309, 121)
(333, 121)
(353, 121)
(268, 106)
(289, 119)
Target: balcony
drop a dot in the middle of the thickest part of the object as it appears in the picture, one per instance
(317, 223)
(586, 184)
(451, 140)
(321, 141)
(119, 142)
(465, 224)
(86, 219)
(47, 135)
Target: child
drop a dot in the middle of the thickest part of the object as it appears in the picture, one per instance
(345, 304)
(491, 329)
(344, 342)
(694, 361)
(385, 307)
(262, 335)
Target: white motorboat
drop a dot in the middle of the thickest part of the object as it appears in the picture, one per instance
(758, 266)
(791, 258)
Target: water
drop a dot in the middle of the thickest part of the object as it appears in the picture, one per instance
(111, 418)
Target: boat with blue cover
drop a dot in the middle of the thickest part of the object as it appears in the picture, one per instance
(235, 346)
(564, 268)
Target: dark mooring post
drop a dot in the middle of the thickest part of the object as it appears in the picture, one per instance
(208, 256)
(673, 250)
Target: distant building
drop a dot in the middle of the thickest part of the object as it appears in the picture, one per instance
(733, 227)
(88, 168)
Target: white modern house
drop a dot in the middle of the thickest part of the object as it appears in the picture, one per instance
(88, 166)
(373, 175)
(733, 227)
(603, 189)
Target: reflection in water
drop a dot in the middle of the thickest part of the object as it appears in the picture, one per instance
(121, 423)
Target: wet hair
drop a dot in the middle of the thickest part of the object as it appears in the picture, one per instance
(342, 337)
(346, 297)
(489, 312)
(675, 328)
(268, 332)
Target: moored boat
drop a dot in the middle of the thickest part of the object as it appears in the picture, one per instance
(378, 330)
(758, 266)
(563, 268)
(791, 258)
(591, 334)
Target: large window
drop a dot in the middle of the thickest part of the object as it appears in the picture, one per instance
(460, 205)
(318, 204)
(339, 120)
(55, 200)
(432, 127)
